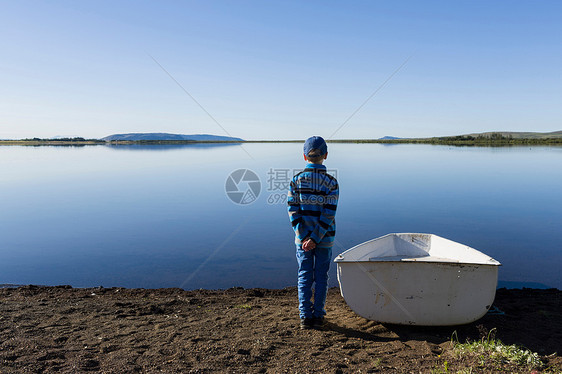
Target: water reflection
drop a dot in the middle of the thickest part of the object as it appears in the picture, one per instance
(92, 216)
(168, 147)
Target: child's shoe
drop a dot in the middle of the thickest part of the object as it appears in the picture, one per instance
(307, 323)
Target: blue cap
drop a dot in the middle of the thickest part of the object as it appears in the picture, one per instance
(315, 142)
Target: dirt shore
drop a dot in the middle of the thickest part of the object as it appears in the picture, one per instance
(117, 330)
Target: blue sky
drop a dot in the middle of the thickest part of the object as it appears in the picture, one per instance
(279, 70)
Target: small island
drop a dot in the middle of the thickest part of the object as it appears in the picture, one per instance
(130, 138)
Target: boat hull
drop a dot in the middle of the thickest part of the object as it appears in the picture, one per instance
(418, 293)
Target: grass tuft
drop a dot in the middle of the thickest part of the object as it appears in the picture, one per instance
(489, 348)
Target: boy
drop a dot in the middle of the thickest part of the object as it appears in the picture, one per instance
(312, 200)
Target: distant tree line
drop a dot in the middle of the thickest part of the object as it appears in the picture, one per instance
(495, 138)
(492, 139)
(75, 139)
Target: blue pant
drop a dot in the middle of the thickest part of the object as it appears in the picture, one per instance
(313, 268)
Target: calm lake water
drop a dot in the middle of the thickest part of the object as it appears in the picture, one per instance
(159, 216)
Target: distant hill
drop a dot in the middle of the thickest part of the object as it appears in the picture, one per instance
(159, 136)
(389, 138)
(521, 135)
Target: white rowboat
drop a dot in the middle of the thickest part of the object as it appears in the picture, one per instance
(417, 279)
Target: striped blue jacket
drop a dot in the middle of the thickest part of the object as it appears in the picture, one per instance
(313, 199)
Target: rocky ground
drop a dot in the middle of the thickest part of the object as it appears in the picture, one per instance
(117, 330)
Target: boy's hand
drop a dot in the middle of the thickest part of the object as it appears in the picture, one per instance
(308, 245)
